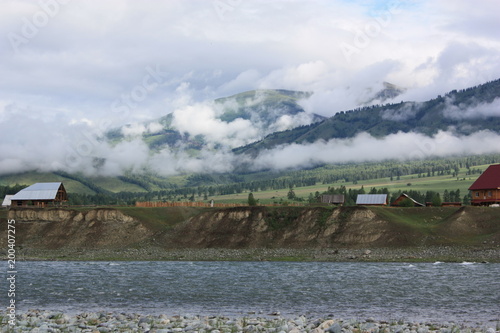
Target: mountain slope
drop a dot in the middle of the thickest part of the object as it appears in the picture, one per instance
(465, 112)
(266, 111)
(459, 112)
(265, 106)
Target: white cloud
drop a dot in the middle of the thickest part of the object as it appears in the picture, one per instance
(406, 112)
(200, 119)
(133, 129)
(138, 129)
(127, 62)
(364, 147)
(286, 122)
(480, 110)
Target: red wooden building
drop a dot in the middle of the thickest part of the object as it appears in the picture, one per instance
(485, 190)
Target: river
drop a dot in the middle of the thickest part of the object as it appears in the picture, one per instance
(437, 292)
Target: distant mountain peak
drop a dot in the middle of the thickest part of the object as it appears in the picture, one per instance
(388, 92)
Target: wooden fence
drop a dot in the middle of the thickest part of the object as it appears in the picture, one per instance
(200, 204)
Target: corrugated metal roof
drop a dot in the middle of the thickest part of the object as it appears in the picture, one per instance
(332, 198)
(489, 179)
(7, 200)
(371, 199)
(38, 191)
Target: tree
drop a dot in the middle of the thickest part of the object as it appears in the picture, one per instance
(436, 200)
(467, 199)
(251, 200)
(291, 194)
(362, 190)
(446, 196)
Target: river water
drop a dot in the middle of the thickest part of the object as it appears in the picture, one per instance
(438, 292)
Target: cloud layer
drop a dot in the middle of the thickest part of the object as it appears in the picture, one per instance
(72, 70)
(364, 147)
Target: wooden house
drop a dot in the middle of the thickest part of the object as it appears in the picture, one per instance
(333, 199)
(40, 195)
(485, 190)
(372, 200)
(403, 197)
(7, 200)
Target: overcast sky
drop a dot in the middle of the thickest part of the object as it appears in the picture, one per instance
(70, 69)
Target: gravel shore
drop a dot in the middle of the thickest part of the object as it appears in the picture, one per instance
(102, 322)
(411, 254)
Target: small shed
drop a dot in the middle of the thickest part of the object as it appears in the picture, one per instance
(40, 195)
(333, 199)
(485, 190)
(7, 200)
(405, 196)
(372, 199)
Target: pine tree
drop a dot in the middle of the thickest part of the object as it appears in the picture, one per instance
(251, 200)
(436, 201)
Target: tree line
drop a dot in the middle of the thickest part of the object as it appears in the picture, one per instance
(200, 187)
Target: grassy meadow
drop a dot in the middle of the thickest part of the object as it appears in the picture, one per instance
(405, 183)
(268, 187)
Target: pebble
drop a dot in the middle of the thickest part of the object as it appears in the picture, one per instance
(45, 321)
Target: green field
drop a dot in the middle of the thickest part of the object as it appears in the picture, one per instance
(435, 175)
(405, 183)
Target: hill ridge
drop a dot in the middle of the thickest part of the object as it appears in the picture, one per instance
(453, 110)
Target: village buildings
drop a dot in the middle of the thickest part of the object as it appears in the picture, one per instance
(485, 190)
(403, 197)
(6, 201)
(40, 195)
(372, 200)
(333, 199)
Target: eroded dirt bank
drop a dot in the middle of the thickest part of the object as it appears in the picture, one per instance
(253, 233)
(65, 228)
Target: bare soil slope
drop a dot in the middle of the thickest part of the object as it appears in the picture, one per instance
(58, 228)
(253, 227)
(293, 227)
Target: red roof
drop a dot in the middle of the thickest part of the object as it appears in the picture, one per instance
(489, 179)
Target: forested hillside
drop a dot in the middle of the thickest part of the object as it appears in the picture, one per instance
(460, 113)
(464, 112)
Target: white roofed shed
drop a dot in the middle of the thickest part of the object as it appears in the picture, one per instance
(372, 199)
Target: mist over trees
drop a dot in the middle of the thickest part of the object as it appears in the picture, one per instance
(203, 187)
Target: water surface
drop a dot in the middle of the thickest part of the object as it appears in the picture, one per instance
(391, 291)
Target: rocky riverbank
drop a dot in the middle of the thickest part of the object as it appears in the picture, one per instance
(95, 322)
(487, 253)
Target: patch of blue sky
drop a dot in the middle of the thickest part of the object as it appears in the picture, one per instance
(374, 8)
